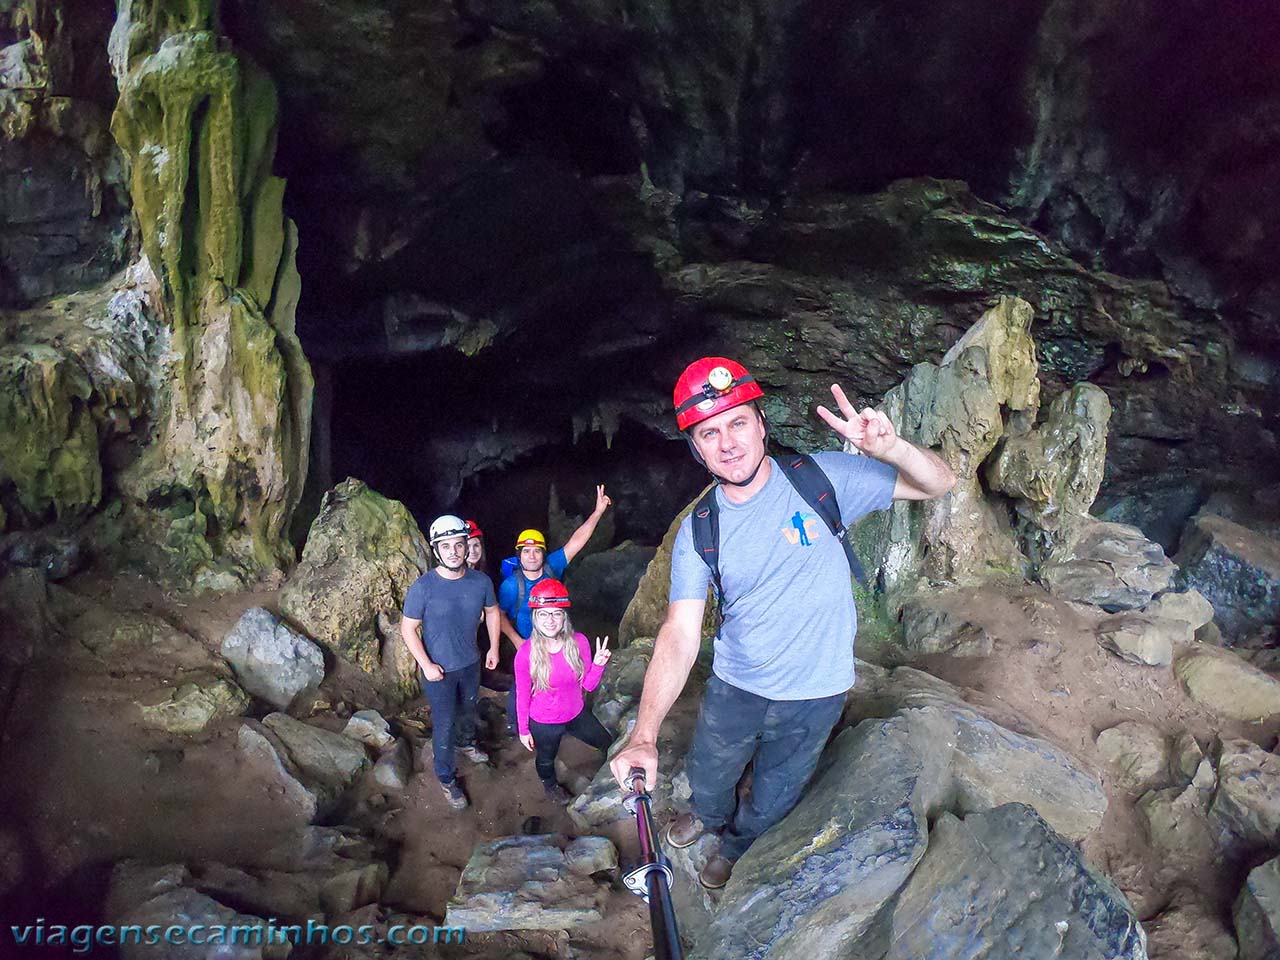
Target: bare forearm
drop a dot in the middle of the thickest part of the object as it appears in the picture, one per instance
(673, 658)
(920, 467)
(508, 630)
(579, 538)
(493, 624)
(413, 640)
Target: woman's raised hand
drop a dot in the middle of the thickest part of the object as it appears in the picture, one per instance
(603, 653)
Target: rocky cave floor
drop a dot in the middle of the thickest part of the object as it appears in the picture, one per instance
(91, 785)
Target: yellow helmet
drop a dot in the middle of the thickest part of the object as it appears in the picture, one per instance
(531, 538)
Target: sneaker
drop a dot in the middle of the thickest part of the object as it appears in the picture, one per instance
(557, 794)
(474, 754)
(453, 795)
(684, 831)
(716, 873)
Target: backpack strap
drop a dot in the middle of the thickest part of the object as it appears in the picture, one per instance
(706, 537)
(814, 486)
(522, 588)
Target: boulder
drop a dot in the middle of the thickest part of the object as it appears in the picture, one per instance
(194, 705)
(394, 767)
(1238, 571)
(525, 883)
(817, 880)
(310, 767)
(1257, 913)
(1177, 823)
(622, 683)
(328, 762)
(605, 582)
(1246, 804)
(1112, 566)
(1188, 606)
(160, 896)
(370, 728)
(591, 855)
(1222, 681)
(271, 661)
(1002, 883)
(648, 607)
(363, 552)
(931, 625)
(985, 387)
(1053, 471)
(1185, 757)
(1139, 638)
(1138, 754)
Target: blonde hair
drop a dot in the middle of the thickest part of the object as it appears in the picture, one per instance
(540, 658)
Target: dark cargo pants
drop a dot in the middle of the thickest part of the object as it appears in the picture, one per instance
(783, 737)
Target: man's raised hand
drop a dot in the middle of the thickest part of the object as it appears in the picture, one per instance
(870, 431)
(603, 653)
(602, 500)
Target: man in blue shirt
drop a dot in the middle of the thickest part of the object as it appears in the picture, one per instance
(438, 626)
(536, 565)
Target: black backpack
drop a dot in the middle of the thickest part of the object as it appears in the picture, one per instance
(813, 485)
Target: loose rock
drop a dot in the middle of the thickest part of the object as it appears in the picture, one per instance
(272, 662)
(1237, 570)
(1222, 681)
(1257, 913)
(1112, 566)
(1137, 752)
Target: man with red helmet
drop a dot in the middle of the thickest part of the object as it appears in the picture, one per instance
(784, 651)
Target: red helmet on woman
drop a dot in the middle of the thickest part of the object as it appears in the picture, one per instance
(473, 530)
(710, 386)
(549, 594)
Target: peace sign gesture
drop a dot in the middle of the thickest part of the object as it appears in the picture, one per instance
(603, 653)
(870, 431)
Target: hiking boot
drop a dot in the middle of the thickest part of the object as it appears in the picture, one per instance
(474, 753)
(684, 831)
(557, 794)
(716, 873)
(453, 795)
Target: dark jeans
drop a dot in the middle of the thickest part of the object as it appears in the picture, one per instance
(783, 737)
(547, 736)
(453, 711)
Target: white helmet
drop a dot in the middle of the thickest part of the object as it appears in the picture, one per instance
(444, 527)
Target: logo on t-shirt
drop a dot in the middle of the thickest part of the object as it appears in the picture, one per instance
(803, 529)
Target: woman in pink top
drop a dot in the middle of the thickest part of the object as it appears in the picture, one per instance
(552, 670)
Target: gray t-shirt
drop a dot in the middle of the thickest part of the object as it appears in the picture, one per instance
(449, 611)
(789, 621)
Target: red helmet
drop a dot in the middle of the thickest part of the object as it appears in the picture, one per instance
(547, 594)
(710, 386)
(473, 530)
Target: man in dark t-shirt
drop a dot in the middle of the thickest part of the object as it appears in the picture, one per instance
(438, 626)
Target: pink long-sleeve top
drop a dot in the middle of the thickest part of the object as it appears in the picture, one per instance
(563, 700)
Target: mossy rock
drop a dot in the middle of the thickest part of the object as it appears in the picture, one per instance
(48, 441)
(363, 552)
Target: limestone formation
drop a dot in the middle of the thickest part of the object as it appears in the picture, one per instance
(197, 121)
(1257, 913)
(271, 661)
(1142, 639)
(363, 553)
(1112, 566)
(526, 883)
(1247, 801)
(370, 728)
(822, 875)
(648, 607)
(1238, 571)
(1037, 895)
(194, 705)
(1222, 681)
(984, 386)
(1054, 471)
(622, 683)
